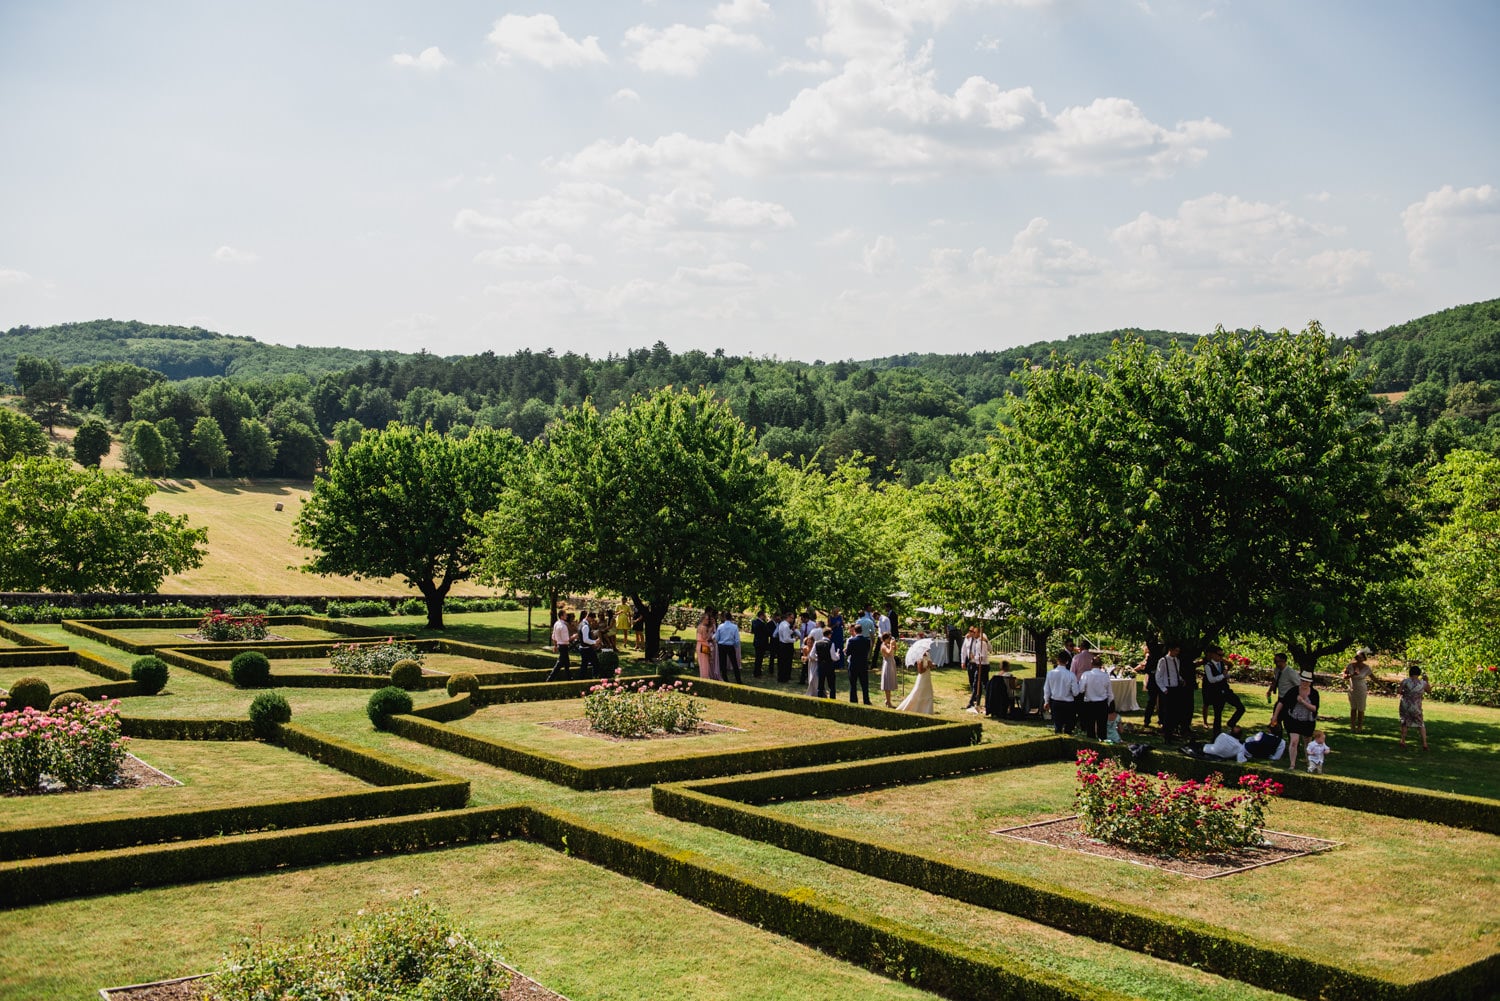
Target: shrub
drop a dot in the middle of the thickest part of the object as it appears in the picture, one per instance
(150, 673)
(79, 745)
(636, 708)
(609, 661)
(32, 693)
(277, 608)
(385, 703)
(1167, 816)
(268, 709)
(462, 682)
(406, 674)
(372, 658)
(63, 700)
(226, 627)
(409, 953)
(412, 606)
(251, 669)
(357, 609)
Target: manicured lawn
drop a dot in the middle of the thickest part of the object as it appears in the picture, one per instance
(440, 663)
(59, 677)
(521, 724)
(188, 638)
(1387, 899)
(212, 773)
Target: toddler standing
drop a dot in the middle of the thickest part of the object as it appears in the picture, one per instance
(1317, 750)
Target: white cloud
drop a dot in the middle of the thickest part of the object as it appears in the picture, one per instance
(532, 255)
(680, 49)
(1113, 134)
(625, 96)
(430, 59)
(741, 11)
(1450, 224)
(14, 276)
(231, 255)
(725, 273)
(880, 257)
(1034, 260)
(539, 38)
(812, 67)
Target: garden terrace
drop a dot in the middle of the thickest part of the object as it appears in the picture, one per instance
(67, 670)
(141, 636)
(926, 821)
(14, 640)
(308, 665)
(780, 731)
(230, 783)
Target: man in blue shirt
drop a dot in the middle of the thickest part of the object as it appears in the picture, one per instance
(727, 636)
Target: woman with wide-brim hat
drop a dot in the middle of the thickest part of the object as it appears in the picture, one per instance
(1298, 712)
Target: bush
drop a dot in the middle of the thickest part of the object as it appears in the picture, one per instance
(372, 658)
(412, 606)
(357, 609)
(79, 745)
(385, 703)
(251, 669)
(462, 682)
(267, 710)
(636, 708)
(227, 627)
(1165, 815)
(150, 673)
(406, 674)
(409, 953)
(63, 700)
(29, 693)
(609, 661)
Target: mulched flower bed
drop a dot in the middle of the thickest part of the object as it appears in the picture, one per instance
(134, 774)
(522, 988)
(264, 639)
(1067, 832)
(583, 728)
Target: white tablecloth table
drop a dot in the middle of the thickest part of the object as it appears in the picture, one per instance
(1125, 693)
(939, 653)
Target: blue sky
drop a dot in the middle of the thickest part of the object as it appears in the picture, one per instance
(836, 179)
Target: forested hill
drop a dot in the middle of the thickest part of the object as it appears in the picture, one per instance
(1455, 345)
(176, 352)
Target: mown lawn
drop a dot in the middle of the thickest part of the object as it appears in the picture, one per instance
(59, 677)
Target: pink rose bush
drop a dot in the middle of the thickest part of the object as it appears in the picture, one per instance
(637, 708)
(1163, 815)
(79, 746)
(225, 627)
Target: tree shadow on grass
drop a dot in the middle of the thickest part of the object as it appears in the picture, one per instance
(232, 486)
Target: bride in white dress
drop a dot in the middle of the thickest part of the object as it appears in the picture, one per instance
(920, 698)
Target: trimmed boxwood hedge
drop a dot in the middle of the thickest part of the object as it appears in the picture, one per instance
(210, 662)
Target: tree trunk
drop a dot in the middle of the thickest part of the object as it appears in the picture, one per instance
(434, 595)
(1039, 640)
(653, 614)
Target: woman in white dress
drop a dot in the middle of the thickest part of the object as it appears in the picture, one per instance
(920, 699)
(810, 657)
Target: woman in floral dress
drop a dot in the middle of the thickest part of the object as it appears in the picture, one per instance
(708, 649)
(1412, 690)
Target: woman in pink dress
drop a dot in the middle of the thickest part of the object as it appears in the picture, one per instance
(708, 648)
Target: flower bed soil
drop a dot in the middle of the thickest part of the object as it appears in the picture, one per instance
(522, 988)
(267, 638)
(583, 728)
(1067, 832)
(134, 774)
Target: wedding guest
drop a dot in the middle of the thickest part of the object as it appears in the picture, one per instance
(1298, 711)
(1059, 693)
(727, 637)
(836, 628)
(708, 652)
(867, 619)
(919, 699)
(1083, 659)
(822, 665)
(1283, 678)
(999, 694)
(976, 654)
(638, 626)
(562, 640)
(857, 656)
(1095, 693)
(1217, 691)
(817, 631)
(1176, 697)
(588, 646)
(888, 675)
(1317, 751)
(1359, 674)
(1412, 689)
(784, 639)
(761, 629)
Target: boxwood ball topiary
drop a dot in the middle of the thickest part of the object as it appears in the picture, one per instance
(268, 709)
(250, 669)
(388, 702)
(65, 699)
(462, 682)
(150, 674)
(32, 692)
(406, 674)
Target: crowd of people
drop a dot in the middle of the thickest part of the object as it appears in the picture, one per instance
(1077, 693)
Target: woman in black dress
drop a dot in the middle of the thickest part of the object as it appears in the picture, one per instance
(1297, 710)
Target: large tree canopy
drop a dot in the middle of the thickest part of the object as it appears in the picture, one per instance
(67, 529)
(664, 499)
(20, 435)
(402, 503)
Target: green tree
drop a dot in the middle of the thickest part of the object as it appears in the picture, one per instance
(1460, 564)
(256, 453)
(347, 432)
(20, 435)
(47, 402)
(405, 503)
(209, 445)
(67, 529)
(298, 451)
(148, 452)
(667, 498)
(31, 370)
(92, 442)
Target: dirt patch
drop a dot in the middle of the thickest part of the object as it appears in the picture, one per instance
(1067, 833)
(134, 774)
(426, 672)
(267, 638)
(522, 988)
(583, 728)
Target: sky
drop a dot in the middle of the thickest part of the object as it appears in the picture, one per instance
(810, 180)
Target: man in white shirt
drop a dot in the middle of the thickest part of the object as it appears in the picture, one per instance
(1096, 693)
(727, 637)
(1176, 704)
(976, 654)
(588, 646)
(784, 636)
(1060, 693)
(561, 637)
(884, 625)
(1227, 746)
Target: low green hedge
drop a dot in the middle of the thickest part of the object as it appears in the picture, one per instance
(143, 728)
(456, 707)
(34, 656)
(19, 638)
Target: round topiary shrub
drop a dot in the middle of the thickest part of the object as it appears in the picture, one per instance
(384, 704)
(150, 674)
(608, 661)
(32, 692)
(250, 669)
(406, 674)
(268, 709)
(462, 682)
(65, 699)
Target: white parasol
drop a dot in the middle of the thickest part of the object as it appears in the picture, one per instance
(916, 650)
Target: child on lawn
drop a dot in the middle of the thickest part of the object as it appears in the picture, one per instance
(1316, 752)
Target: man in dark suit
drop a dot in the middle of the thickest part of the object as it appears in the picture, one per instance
(857, 653)
(760, 637)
